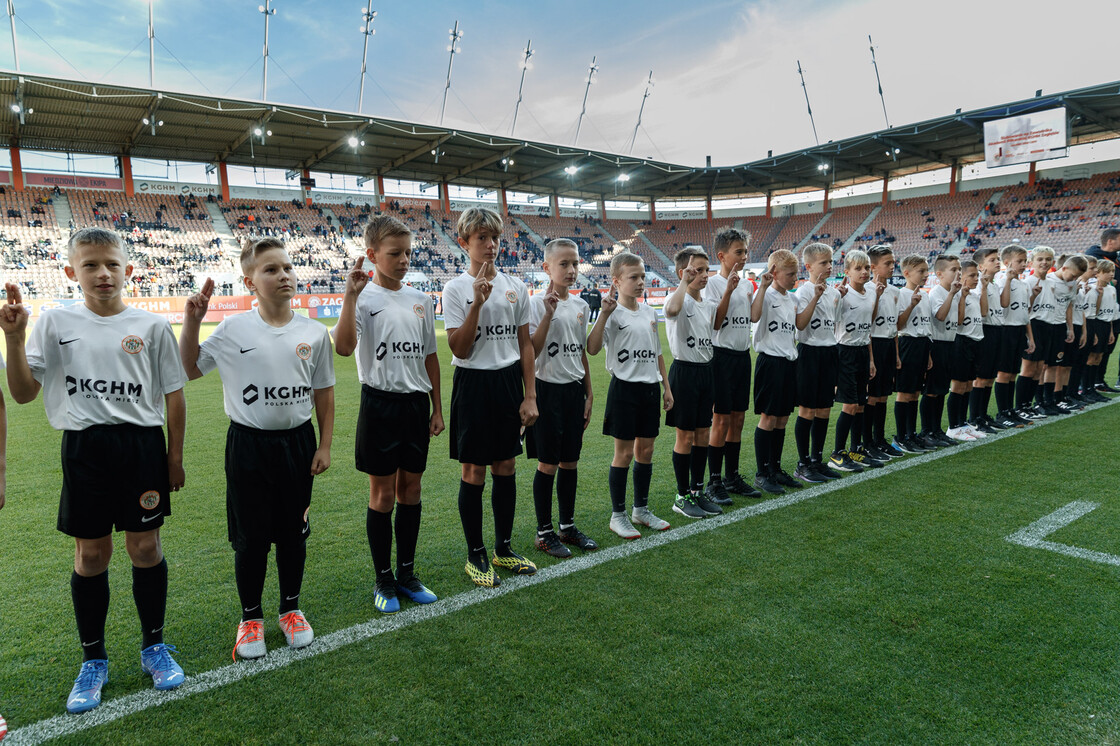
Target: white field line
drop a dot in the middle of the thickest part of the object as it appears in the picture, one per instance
(1034, 535)
(130, 704)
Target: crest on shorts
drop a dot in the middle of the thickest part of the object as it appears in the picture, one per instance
(149, 500)
(132, 344)
(511, 296)
(418, 310)
(303, 351)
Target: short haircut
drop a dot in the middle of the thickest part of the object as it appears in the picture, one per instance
(944, 260)
(912, 261)
(1042, 251)
(1010, 250)
(624, 259)
(1105, 266)
(475, 219)
(94, 237)
(684, 256)
(560, 243)
(781, 258)
(728, 236)
(856, 258)
(1109, 234)
(814, 250)
(878, 251)
(982, 254)
(253, 249)
(382, 227)
(968, 264)
(1078, 262)
(1092, 260)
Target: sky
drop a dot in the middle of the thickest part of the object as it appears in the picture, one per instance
(725, 73)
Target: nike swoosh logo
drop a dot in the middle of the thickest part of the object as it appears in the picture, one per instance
(148, 518)
(68, 341)
(90, 644)
(690, 315)
(621, 327)
(470, 302)
(291, 598)
(243, 351)
(172, 675)
(776, 305)
(374, 313)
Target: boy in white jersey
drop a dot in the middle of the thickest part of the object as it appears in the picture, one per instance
(818, 363)
(391, 328)
(1054, 326)
(855, 313)
(884, 352)
(1073, 362)
(493, 394)
(275, 366)
(689, 323)
(914, 360)
(945, 305)
(971, 309)
(558, 328)
(987, 354)
(632, 417)
(774, 313)
(107, 372)
(1047, 336)
(1102, 312)
(731, 366)
(1015, 336)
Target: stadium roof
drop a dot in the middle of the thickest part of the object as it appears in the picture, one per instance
(82, 117)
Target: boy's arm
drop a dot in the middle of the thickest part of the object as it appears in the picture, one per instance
(802, 319)
(193, 314)
(595, 338)
(176, 404)
(725, 301)
(13, 320)
(461, 338)
(984, 299)
(1030, 338)
(667, 397)
(1069, 323)
(528, 408)
(760, 296)
(3, 449)
(904, 314)
(962, 308)
(1005, 291)
(540, 334)
(324, 416)
(588, 393)
(676, 300)
(435, 422)
(346, 330)
(943, 311)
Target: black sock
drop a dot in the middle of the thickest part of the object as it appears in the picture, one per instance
(986, 400)
(407, 529)
(870, 415)
(1005, 393)
(1075, 374)
(1048, 392)
(1088, 377)
(697, 463)
(249, 569)
(802, 431)
(470, 514)
(566, 496)
(379, 532)
(955, 403)
(901, 410)
(857, 429)
(616, 481)
(715, 461)
(938, 412)
(731, 457)
(912, 417)
(149, 590)
(879, 429)
(643, 475)
(542, 500)
(680, 471)
(1023, 391)
(818, 436)
(843, 427)
(91, 606)
(928, 410)
(503, 501)
(1103, 367)
(762, 450)
(777, 443)
(291, 558)
(976, 410)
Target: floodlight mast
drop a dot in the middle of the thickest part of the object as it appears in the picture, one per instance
(151, 45)
(591, 70)
(642, 108)
(367, 22)
(810, 108)
(268, 11)
(12, 18)
(453, 48)
(525, 56)
(879, 81)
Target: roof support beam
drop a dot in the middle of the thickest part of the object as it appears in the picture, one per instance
(334, 146)
(153, 107)
(244, 136)
(929, 155)
(427, 147)
(491, 160)
(1093, 115)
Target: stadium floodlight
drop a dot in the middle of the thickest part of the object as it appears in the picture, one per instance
(16, 109)
(353, 141)
(525, 67)
(571, 170)
(822, 167)
(642, 108)
(591, 70)
(366, 30)
(455, 35)
(257, 131)
(268, 11)
(624, 178)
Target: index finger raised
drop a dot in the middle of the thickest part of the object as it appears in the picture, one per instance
(208, 286)
(358, 264)
(14, 295)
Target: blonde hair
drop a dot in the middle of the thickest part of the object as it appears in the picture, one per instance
(382, 227)
(624, 259)
(913, 260)
(1009, 251)
(1105, 266)
(856, 258)
(781, 258)
(253, 249)
(559, 243)
(1078, 262)
(94, 237)
(814, 250)
(477, 219)
(1041, 251)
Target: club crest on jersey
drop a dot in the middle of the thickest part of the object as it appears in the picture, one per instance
(303, 351)
(418, 310)
(149, 500)
(132, 344)
(579, 317)
(511, 296)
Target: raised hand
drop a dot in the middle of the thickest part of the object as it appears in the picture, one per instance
(879, 288)
(13, 314)
(551, 299)
(733, 279)
(766, 280)
(819, 288)
(915, 298)
(689, 275)
(356, 278)
(198, 303)
(1036, 291)
(843, 286)
(481, 285)
(955, 287)
(610, 301)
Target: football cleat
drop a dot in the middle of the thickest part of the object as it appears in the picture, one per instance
(250, 640)
(717, 493)
(736, 485)
(705, 504)
(575, 537)
(843, 461)
(766, 483)
(297, 631)
(621, 525)
(515, 563)
(686, 506)
(415, 590)
(157, 662)
(806, 473)
(784, 479)
(644, 517)
(549, 543)
(86, 693)
(904, 444)
(483, 575)
(860, 457)
(889, 450)
(385, 597)
(822, 469)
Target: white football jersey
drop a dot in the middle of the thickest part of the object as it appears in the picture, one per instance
(396, 333)
(735, 332)
(776, 329)
(885, 323)
(504, 312)
(821, 329)
(943, 331)
(1109, 308)
(995, 310)
(919, 322)
(269, 374)
(104, 370)
(633, 345)
(853, 317)
(561, 359)
(1080, 305)
(973, 324)
(690, 331)
(1017, 312)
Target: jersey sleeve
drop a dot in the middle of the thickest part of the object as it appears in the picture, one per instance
(429, 333)
(522, 304)
(656, 331)
(801, 299)
(210, 348)
(36, 351)
(454, 306)
(710, 293)
(170, 365)
(610, 329)
(322, 377)
(536, 312)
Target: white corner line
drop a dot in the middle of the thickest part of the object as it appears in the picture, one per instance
(1034, 535)
(130, 704)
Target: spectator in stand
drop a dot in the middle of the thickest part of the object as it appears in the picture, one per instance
(1109, 245)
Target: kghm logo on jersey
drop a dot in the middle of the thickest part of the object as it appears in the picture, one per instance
(250, 394)
(132, 344)
(149, 500)
(381, 350)
(418, 310)
(511, 296)
(553, 349)
(303, 351)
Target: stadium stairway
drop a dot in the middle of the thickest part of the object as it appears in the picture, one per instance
(354, 247)
(640, 232)
(451, 242)
(231, 247)
(62, 214)
(582, 279)
(960, 243)
(761, 249)
(808, 236)
(850, 240)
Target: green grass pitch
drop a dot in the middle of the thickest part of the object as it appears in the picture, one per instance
(891, 611)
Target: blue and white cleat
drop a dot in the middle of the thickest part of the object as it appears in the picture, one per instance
(157, 662)
(386, 599)
(415, 590)
(86, 693)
